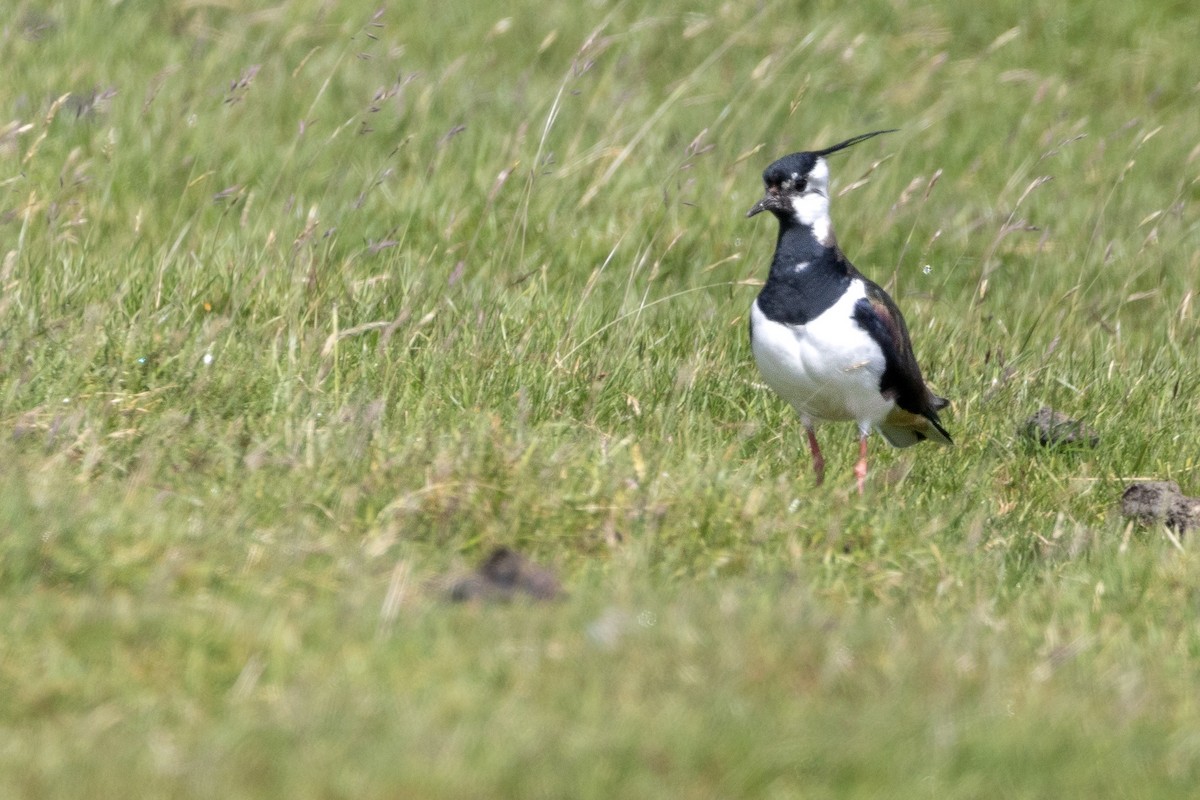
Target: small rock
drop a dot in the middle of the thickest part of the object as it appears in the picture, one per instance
(610, 627)
(502, 576)
(1151, 502)
(1049, 427)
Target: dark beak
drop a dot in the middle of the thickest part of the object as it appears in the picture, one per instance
(771, 201)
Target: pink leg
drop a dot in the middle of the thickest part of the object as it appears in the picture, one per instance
(818, 459)
(860, 469)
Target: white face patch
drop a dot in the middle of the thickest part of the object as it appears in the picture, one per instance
(812, 211)
(800, 266)
(812, 206)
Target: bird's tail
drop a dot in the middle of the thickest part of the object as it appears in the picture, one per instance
(904, 428)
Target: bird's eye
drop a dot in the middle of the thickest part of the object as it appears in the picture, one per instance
(801, 185)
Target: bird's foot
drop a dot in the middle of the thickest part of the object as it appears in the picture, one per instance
(860, 468)
(818, 459)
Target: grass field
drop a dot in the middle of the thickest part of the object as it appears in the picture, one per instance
(307, 306)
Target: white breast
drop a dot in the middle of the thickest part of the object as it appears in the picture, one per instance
(828, 369)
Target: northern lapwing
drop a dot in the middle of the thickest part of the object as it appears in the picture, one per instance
(826, 338)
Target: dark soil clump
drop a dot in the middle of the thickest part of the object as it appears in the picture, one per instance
(1152, 502)
(1049, 428)
(505, 575)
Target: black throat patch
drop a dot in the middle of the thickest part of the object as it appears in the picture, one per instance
(796, 297)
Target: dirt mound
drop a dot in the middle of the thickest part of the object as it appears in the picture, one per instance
(1151, 502)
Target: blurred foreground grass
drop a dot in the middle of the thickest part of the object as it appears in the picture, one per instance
(306, 306)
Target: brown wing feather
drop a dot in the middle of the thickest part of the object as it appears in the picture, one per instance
(912, 393)
(917, 407)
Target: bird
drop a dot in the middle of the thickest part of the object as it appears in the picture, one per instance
(826, 338)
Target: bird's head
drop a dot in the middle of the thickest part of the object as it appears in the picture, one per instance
(797, 186)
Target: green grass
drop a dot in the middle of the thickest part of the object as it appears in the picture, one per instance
(304, 308)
